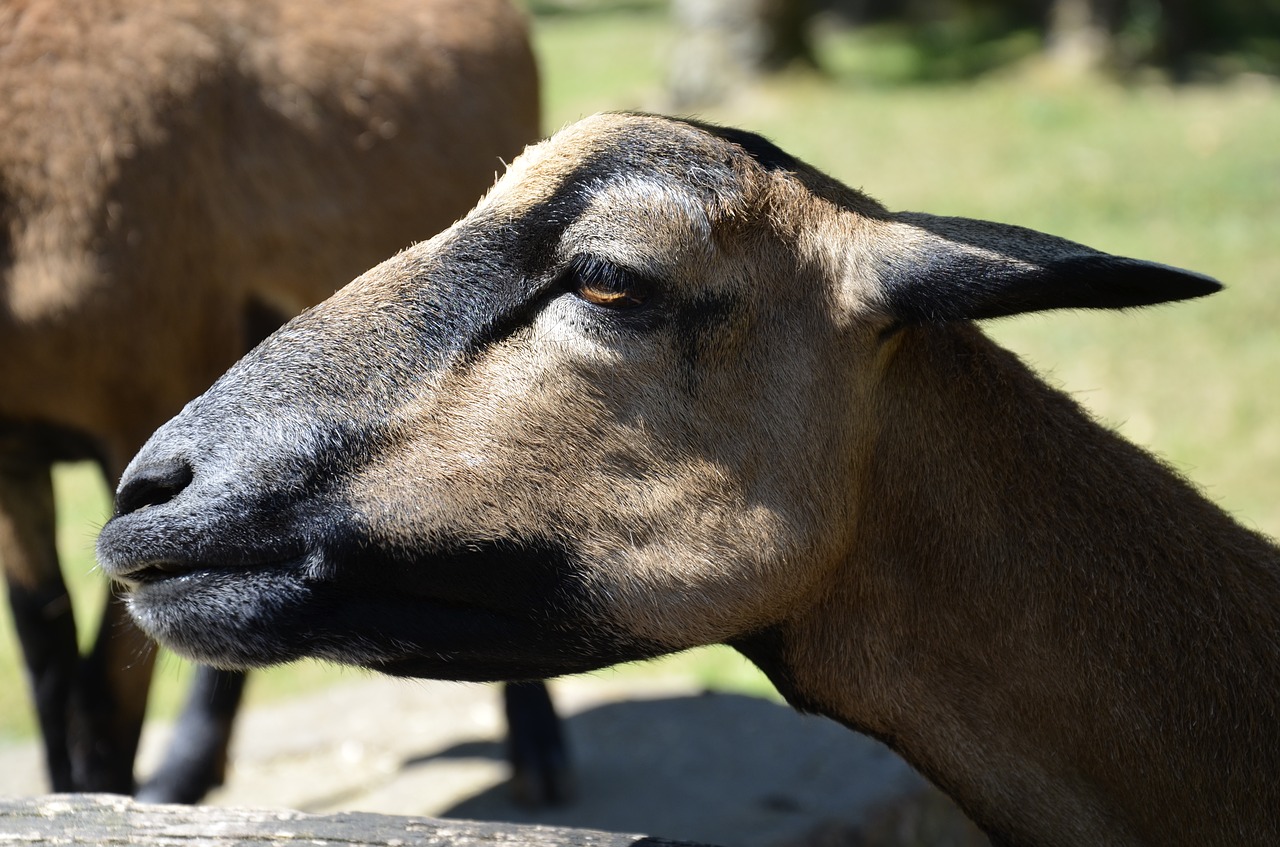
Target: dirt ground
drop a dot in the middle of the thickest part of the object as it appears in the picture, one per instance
(659, 759)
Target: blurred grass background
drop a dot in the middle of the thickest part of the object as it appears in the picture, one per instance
(1189, 176)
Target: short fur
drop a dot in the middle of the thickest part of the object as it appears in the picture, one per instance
(177, 179)
(666, 386)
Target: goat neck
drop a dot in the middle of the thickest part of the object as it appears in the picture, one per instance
(1055, 649)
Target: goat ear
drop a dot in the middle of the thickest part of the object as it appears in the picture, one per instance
(947, 269)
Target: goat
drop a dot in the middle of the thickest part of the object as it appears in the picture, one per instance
(176, 180)
(667, 386)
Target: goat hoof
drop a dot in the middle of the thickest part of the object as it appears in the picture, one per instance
(186, 788)
(545, 784)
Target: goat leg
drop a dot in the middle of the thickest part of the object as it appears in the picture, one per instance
(110, 702)
(540, 771)
(196, 759)
(38, 596)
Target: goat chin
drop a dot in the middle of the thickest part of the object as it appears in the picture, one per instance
(667, 385)
(230, 616)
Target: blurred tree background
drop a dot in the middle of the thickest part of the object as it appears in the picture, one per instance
(722, 44)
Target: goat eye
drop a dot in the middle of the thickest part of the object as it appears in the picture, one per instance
(605, 284)
(611, 299)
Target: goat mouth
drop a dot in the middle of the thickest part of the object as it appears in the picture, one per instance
(399, 623)
(153, 572)
(275, 615)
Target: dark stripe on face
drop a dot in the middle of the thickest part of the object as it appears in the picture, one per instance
(501, 272)
(521, 259)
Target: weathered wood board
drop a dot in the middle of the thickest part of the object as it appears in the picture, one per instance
(104, 820)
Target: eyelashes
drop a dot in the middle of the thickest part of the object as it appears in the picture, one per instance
(606, 285)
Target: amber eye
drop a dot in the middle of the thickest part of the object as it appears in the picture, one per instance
(604, 284)
(612, 299)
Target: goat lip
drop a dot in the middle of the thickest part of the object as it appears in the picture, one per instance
(152, 572)
(163, 571)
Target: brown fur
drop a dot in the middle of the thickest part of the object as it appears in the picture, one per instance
(799, 447)
(172, 172)
(205, 153)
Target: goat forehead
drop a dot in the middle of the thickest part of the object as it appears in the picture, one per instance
(649, 194)
(642, 221)
(623, 150)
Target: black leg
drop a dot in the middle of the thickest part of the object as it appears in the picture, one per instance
(196, 760)
(110, 703)
(41, 607)
(540, 771)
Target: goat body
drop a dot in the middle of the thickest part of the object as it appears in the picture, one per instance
(667, 386)
(177, 179)
(221, 158)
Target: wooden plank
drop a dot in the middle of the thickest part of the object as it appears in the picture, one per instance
(105, 820)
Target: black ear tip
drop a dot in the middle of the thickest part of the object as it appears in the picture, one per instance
(1199, 285)
(1116, 282)
(1169, 283)
(945, 269)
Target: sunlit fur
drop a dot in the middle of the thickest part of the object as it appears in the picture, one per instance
(798, 445)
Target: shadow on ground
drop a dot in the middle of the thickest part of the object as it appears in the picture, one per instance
(664, 761)
(720, 768)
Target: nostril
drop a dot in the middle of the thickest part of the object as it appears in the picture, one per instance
(153, 485)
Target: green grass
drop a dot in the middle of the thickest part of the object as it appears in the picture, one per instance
(1185, 176)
